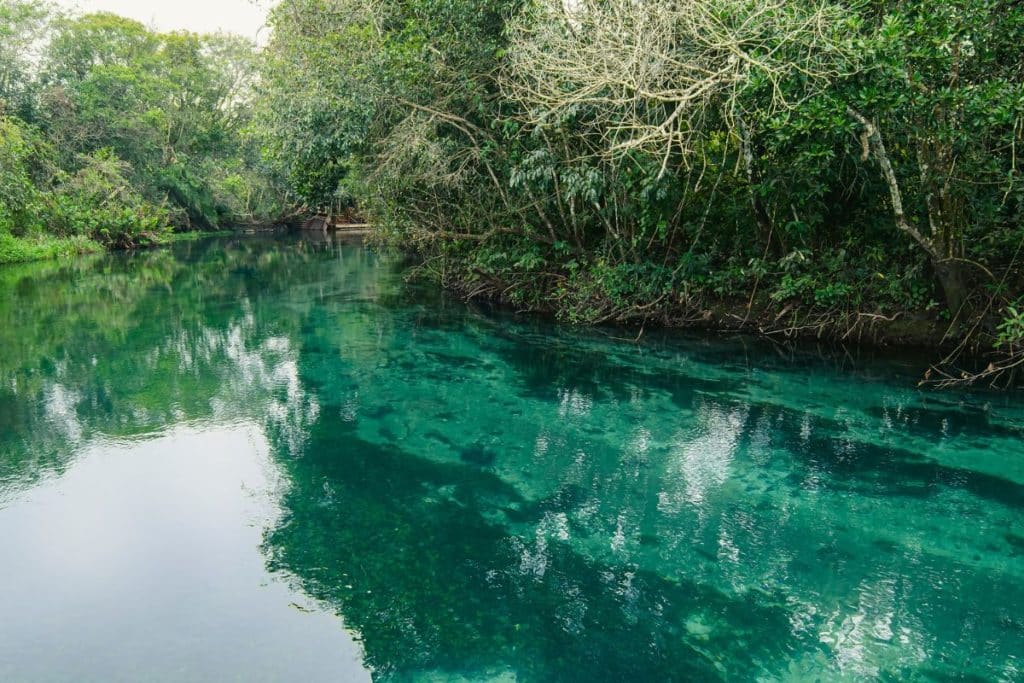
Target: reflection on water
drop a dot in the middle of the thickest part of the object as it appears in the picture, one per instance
(139, 565)
(266, 446)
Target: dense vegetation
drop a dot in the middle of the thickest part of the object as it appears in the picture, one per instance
(840, 169)
(113, 135)
(849, 169)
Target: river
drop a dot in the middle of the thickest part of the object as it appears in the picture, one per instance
(263, 459)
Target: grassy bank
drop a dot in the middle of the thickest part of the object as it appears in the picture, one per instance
(44, 247)
(176, 237)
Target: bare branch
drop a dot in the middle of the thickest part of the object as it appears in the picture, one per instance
(653, 74)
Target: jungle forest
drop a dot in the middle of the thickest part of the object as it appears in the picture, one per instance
(829, 169)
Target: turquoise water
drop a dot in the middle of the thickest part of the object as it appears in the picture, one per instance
(262, 459)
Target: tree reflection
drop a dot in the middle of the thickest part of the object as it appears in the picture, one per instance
(414, 556)
(127, 345)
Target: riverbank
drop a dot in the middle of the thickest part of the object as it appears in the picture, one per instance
(27, 249)
(958, 352)
(46, 247)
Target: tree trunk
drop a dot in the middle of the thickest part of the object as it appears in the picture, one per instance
(939, 246)
(764, 221)
(950, 274)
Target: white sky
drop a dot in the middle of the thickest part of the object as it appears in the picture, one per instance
(244, 17)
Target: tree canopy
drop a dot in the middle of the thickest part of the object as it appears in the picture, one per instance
(118, 133)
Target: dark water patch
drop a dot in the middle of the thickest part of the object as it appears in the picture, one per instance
(825, 446)
(453, 360)
(478, 455)
(962, 422)
(941, 676)
(1016, 541)
(378, 412)
(874, 470)
(546, 374)
(492, 602)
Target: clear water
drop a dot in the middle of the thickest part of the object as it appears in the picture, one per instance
(272, 460)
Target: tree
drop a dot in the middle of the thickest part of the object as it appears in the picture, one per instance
(665, 78)
(21, 168)
(23, 26)
(662, 77)
(947, 84)
(657, 75)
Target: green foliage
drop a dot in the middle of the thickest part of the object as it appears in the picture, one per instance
(19, 195)
(43, 247)
(100, 203)
(113, 131)
(22, 25)
(604, 202)
(1011, 329)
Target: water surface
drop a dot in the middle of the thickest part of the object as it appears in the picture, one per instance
(260, 459)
